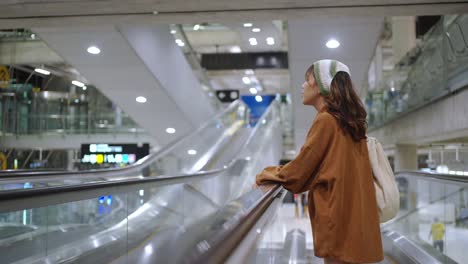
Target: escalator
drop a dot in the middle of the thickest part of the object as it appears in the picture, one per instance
(134, 218)
(213, 145)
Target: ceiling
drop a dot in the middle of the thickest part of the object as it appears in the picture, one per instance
(221, 38)
(39, 13)
(48, 8)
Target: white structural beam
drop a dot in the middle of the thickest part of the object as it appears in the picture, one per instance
(37, 13)
(156, 47)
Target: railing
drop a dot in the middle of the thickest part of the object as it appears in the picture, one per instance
(434, 214)
(439, 70)
(63, 124)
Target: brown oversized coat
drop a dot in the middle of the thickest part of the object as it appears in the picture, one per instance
(337, 173)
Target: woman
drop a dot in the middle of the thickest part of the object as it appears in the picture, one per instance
(333, 165)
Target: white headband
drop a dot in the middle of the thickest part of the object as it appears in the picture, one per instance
(325, 70)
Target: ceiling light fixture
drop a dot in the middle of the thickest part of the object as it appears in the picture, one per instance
(78, 83)
(170, 130)
(173, 31)
(192, 152)
(180, 43)
(42, 71)
(246, 80)
(256, 30)
(196, 27)
(248, 25)
(93, 50)
(84, 88)
(258, 98)
(235, 49)
(270, 41)
(141, 99)
(332, 44)
(249, 72)
(253, 90)
(253, 41)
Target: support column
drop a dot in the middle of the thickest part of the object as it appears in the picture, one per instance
(406, 157)
(403, 35)
(70, 159)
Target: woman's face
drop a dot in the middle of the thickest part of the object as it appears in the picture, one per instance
(310, 91)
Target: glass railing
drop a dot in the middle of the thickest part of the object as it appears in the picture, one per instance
(27, 112)
(61, 124)
(142, 221)
(438, 69)
(434, 214)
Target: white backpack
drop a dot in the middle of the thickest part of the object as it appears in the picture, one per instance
(386, 189)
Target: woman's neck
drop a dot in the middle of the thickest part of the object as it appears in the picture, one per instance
(320, 104)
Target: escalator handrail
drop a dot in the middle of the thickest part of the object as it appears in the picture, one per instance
(133, 167)
(31, 194)
(440, 177)
(227, 228)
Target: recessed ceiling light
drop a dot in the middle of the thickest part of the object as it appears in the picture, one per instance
(42, 71)
(253, 90)
(235, 49)
(258, 98)
(246, 80)
(248, 25)
(180, 43)
(78, 83)
(234, 95)
(170, 130)
(173, 31)
(93, 50)
(256, 30)
(192, 152)
(141, 99)
(270, 41)
(332, 44)
(249, 72)
(253, 41)
(196, 27)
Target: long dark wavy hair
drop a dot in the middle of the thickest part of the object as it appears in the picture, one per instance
(345, 105)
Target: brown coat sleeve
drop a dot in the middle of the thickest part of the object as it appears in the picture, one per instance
(297, 175)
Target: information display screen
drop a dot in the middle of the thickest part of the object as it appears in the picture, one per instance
(102, 153)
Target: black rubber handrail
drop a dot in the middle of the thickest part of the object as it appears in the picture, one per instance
(131, 168)
(226, 228)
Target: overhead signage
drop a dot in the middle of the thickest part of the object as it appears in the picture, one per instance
(113, 153)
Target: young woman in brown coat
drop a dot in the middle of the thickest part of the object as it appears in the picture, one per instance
(333, 165)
